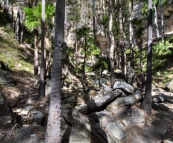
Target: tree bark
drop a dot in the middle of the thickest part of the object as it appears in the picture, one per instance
(54, 117)
(162, 21)
(155, 22)
(146, 104)
(112, 44)
(43, 62)
(131, 30)
(35, 52)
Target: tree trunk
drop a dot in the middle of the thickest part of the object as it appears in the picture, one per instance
(122, 43)
(18, 26)
(112, 44)
(83, 66)
(162, 21)
(94, 20)
(155, 22)
(146, 104)
(139, 42)
(54, 118)
(35, 52)
(43, 62)
(131, 34)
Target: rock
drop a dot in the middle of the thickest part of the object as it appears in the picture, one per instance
(130, 116)
(169, 86)
(124, 101)
(113, 127)
(80, 101)
(98, 103)
(130, 75)
(30, 134)
(71, 135)
(99, 82)
(7, 81)
(125, 87)
(71, 99)
(48, 89)
(37, 117)
(92, 94)
(31, 91)
(36, 80)
(4, 66)
(29, 108)
(133, 116)
(92, 132)
(159, 99)
(105, 89)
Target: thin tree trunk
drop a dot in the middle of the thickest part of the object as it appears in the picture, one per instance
(22, 27)
(140, 48)
(155, 22)
(112, 44)
(122, 44)
(139, 42)
(131, 35)
(53, 131)
(83, 66)
(146, 104)
(18, 26)
(162, 21)
(42, 67)
(35, 52)
(94, 21)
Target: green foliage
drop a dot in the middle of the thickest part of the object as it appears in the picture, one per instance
(137, 22)
(33, 16)
(92, 49)
(100, 65)
(83, 32)
(104, 21)
(144, 9)
(162, 49)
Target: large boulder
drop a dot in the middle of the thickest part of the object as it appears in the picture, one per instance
(125, 87)
(98, 103)
(112, 126)
(125, 101)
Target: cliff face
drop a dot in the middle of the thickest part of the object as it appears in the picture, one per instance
(167, 18)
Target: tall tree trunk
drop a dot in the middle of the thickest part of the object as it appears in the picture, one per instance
(122, 43)
(139, 42)
(146, 104)
(162, 21)
(112, 44)
(155, 22)
(84, 63)
(18, 26)
(21, 25)
(43, 62)
(54, 118)
(35, 52)
(131, 34)
(94, 20)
